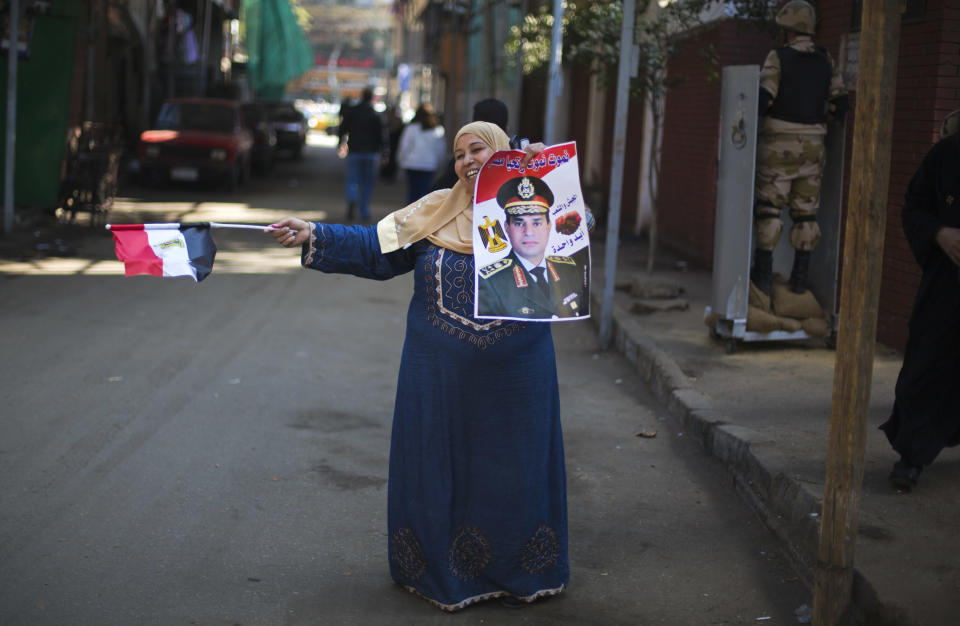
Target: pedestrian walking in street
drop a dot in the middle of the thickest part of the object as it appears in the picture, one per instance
(477, 504)
(361, 142)
(394, 124)
(421, 149)
(926, 410)
(488, 110)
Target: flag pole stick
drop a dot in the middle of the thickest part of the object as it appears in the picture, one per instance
(176, 226)
(245, 226)
(163, 226)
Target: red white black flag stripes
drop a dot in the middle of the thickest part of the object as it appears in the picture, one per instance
(169, 249)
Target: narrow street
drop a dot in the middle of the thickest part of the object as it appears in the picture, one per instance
(216, 453)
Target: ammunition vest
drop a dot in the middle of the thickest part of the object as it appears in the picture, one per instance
(804, 86)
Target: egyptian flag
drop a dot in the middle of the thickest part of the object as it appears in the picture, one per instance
(165, 249)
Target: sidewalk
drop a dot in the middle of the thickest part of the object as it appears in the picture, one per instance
(764, 412)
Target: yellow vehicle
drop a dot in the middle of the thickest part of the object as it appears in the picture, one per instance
(322, 116)
(318, 121)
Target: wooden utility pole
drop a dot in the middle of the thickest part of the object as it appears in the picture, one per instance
(859, 295)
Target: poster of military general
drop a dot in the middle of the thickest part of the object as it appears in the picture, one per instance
(530, 239)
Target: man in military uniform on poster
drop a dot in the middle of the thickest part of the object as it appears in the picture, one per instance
(800, 90)
(527, 283)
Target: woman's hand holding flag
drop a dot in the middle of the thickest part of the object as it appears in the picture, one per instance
(290, 232)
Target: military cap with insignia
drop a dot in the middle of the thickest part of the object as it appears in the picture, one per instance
(524, 195)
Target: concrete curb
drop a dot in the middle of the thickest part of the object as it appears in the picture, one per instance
(788, 506)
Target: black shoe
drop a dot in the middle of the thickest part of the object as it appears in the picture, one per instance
(904, 476)
(801, 267)
(762, 273)
(351, 210)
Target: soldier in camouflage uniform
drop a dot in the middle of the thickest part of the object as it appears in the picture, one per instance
(799, 88)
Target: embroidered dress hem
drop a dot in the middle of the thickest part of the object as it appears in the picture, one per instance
(543, 593)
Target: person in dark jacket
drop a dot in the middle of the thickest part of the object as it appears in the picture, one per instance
(394, 124)
(926, 411)
(489, 110)
(361, 142)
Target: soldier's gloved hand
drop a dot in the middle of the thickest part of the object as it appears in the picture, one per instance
(837, 109)
(764, 101)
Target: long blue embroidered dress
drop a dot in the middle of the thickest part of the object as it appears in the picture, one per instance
(477, 487)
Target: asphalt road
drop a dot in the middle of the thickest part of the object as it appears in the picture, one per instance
(216, 453)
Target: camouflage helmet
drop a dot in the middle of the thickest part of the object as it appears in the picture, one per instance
(798, 16)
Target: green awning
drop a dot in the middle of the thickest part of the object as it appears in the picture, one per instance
(277, 49)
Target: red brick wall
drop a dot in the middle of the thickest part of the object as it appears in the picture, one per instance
(928, 88)
(580, 90)
(579, 105)
(691, 134)
(579, 96)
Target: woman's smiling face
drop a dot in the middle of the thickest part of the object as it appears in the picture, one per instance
(469, 154)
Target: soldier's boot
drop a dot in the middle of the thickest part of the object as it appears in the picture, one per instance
(762, 272)
(801, 267)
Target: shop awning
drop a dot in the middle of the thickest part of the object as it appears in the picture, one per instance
(277, 49)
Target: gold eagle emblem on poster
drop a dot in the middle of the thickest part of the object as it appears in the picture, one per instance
(491, 233)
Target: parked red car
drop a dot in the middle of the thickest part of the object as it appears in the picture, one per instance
(197, 139)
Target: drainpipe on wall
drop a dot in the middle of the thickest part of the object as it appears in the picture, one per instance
(555, 87)
(518, 95)
(616, 174)
(171, 56)
(91, 51)
(10, 161)
(205, 47)
(147, 67)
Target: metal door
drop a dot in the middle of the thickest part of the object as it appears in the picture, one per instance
(733, 227)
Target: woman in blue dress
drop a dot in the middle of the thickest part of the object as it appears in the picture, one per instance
(477, 489)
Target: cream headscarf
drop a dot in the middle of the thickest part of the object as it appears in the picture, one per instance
(444, 217)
